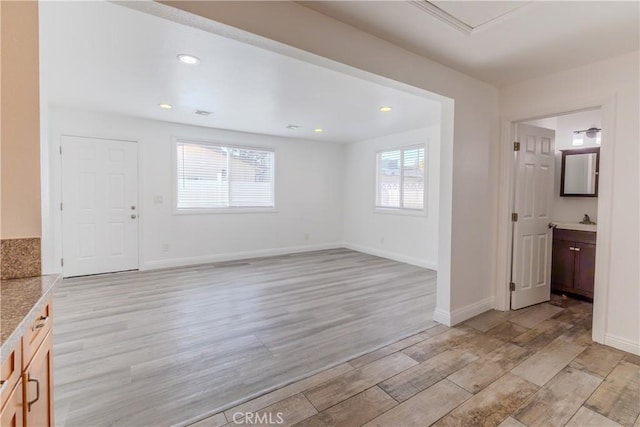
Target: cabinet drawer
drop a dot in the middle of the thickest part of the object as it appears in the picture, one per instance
(36, 333)
(10, 373)
(12, 414)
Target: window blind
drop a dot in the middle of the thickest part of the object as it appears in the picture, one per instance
(212, 176)
(400, 178)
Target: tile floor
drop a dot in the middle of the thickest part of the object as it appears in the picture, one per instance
(532, 367)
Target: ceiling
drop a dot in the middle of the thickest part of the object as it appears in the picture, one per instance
(105, 57)
(500, 42)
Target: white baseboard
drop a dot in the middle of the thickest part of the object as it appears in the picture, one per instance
(391, 255)
(442, 316)
(233, 256)
(461, 314)
(622, 344)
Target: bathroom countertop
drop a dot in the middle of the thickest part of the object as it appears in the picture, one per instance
(577, 226)
(20, 302)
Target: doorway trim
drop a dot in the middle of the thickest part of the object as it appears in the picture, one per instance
(607, 105)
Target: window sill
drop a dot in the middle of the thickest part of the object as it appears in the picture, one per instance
(224, 211)
(401, 212)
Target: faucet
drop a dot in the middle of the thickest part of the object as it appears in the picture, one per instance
(587, 220)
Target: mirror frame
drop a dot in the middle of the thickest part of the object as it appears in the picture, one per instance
(569, 152)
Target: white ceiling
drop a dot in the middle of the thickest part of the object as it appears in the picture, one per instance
(105, 57)
(500, 42)
(478, 13)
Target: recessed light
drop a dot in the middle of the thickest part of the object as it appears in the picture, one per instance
(165, 106)
(189, 59)
(318, 130)
(385, 109)
(203, 113)
(293, 127)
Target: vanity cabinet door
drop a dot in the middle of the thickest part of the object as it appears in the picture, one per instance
(562, 264)
(585, 266)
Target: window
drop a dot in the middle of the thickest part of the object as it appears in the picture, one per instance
(400, 178)
(211, 176)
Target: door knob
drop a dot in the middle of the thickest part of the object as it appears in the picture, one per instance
(133, 216)
(133, 208)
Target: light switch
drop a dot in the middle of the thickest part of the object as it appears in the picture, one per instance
(157, 200)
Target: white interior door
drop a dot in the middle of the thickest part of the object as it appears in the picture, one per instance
(531, 262)
(99, 205)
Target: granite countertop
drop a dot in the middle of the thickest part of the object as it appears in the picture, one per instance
(20, 302)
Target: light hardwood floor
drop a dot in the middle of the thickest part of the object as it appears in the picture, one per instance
(168, 347)
(533, 367)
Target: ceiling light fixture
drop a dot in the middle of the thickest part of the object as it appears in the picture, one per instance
(165, 106)
(203, 113)
(293, 127)
(189, 59)
(592, 132)
(385, 109)
(318, 130)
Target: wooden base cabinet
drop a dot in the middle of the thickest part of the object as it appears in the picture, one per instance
(12, 414)
(38, 384)
(573, 262)
(26, 394)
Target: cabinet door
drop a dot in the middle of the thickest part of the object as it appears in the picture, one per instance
(38, 382)
(585, 266)
(11, 415)
(562, 264)
(10, 373)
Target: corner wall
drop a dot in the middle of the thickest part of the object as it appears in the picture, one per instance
(403, 236)
(20, 135)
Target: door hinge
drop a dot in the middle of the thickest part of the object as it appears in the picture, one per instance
(60, 150)
(514, 217)
(516, 146)
(512, 286)
(61, 262)
(60, 205)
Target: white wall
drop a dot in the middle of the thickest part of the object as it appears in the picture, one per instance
(614, 84)
(572, 209)
(406, 237)
(469, 150)
(309, 178)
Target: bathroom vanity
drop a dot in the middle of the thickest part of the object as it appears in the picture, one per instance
(573, 259)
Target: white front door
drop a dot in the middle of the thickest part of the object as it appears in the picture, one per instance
(99, 205)
(531, 262)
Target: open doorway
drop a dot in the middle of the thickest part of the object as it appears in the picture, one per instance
(574, 208)
(578, 219)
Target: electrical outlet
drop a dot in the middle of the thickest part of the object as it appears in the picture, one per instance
(165, 247)
(306, 236)
(382, 240)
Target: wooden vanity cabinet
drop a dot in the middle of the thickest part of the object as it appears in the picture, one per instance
(26, 397)
(573, 262)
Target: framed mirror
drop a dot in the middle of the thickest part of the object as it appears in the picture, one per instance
(579, 176)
